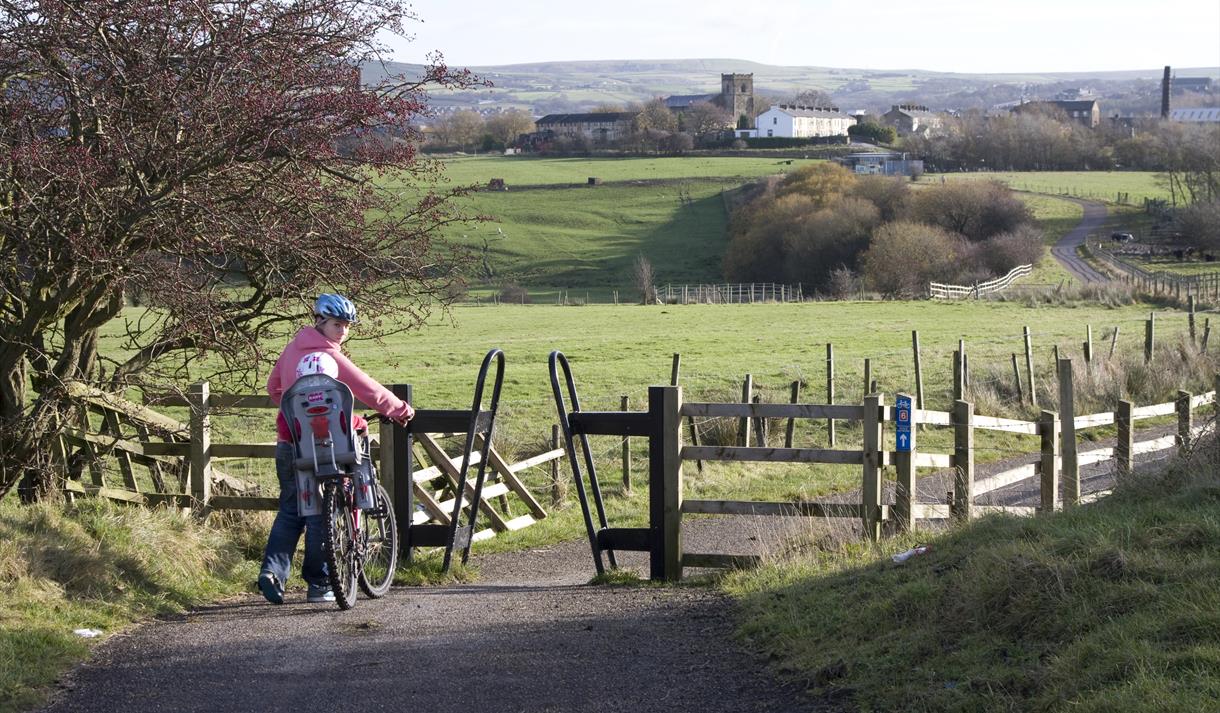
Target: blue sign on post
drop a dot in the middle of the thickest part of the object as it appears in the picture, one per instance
(904, 437)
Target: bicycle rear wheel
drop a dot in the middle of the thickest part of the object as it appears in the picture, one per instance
(339, 545)
(380, 537)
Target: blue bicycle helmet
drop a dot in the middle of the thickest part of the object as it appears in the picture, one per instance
(335, 306)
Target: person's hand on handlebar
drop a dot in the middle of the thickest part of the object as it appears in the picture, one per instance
(400, 421)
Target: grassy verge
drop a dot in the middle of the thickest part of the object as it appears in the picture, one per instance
(1107, 607)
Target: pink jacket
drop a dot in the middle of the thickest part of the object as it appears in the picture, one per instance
(364, 387)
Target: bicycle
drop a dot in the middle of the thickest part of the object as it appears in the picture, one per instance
(360, 544)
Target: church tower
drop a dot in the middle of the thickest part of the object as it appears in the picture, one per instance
(737, 96)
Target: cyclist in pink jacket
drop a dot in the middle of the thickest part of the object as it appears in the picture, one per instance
(315, 349)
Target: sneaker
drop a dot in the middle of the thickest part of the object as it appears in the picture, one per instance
(270, 586)
(319, 595)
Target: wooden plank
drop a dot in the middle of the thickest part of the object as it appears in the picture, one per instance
(154, 448)
(433, 472)
(134, 411)
(772, 455)
(1098, 455)
(933, 418)
(931, 511)
(519, 522)
(453, 474)
(720, 561)
(1165, 409)
(111, 427)
(127, 496)
(760, 410)
(1105, 418)
(1203, 399)
(539, 459)
(1006, 478)
(933, 460)
(665, 471)
(243, 450)
(493, 490)
(509, 475)
(1020, 510)
(870, 481)
(236, 502)
(1010, 425)
(770, 509)
(1158, 444)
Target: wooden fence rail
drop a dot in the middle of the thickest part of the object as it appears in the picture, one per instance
(938, 290)
(1058, 463)
(135, 435)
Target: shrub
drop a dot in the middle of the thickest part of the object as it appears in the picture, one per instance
(904, 256)
(1003, 252)
(514, 293)
(974, 209)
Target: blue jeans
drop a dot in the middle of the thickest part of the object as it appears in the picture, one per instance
(286, 530)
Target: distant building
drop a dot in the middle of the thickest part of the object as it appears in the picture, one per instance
(736, 97)
(1085, 111)
(803, 121)
(599, 127)
(882, 163)
(910, 119)
(1196, 115)
(1192, 84)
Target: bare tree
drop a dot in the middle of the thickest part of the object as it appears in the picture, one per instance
(170, 148)
(645, 280)
(506, 126)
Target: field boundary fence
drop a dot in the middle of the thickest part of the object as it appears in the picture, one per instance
(164, 462)
(1157, 281)
(939, 290)
(1056, 469)
(729, 293)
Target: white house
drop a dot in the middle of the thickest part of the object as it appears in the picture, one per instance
(803, 121)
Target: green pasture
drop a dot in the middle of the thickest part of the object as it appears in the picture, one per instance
(532, 171)
(1094, 185)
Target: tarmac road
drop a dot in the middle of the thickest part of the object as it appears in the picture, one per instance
(1065, 250)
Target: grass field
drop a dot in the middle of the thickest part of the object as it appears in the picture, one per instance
(1094, 185)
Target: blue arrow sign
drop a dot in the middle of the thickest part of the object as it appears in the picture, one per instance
(904, 437)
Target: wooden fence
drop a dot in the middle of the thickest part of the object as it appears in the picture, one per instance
(729, 293)
(1057, 468)
(183, 462)
(1158, 281)
(939, 290)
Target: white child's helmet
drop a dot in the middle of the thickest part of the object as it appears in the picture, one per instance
(318, 363)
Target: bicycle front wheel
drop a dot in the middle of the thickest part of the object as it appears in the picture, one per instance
(339, 546)
(380, 537)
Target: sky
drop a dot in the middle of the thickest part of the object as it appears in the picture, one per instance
(978, 36)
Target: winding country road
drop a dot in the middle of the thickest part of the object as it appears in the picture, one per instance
(1065, 250)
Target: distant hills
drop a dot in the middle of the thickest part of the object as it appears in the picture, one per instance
(551, 87)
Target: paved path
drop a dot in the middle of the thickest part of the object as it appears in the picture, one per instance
(1065, 250)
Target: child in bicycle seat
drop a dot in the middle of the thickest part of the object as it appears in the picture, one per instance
(314, 350)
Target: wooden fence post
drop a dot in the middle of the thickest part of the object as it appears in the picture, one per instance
(794, 399)
(1067, 415)
(1190, 316)
(918, 370)
(665, 482)
(200, 400)
(870, 488)
(1124, 446)
(868, 376)
(1048, 429)
(1185, 422)
(959, 386)
(904, 492)
(1088, 344)
(1113, 341)
(747, 396)
(623, 406)
(674, 373)
(557, 484)
(1207, 332)
(830, 393)
(1016, 379)
(963, 460)
(397, 468)
(1029, 368)
(1149, 337)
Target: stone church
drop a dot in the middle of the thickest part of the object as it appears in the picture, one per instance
(736, 96)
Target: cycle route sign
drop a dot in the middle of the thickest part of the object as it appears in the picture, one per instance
(904, 436)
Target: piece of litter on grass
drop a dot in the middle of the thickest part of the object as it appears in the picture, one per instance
(904, 556)
(87, 633)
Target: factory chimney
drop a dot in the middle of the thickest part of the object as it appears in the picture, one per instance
(1165, 94)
